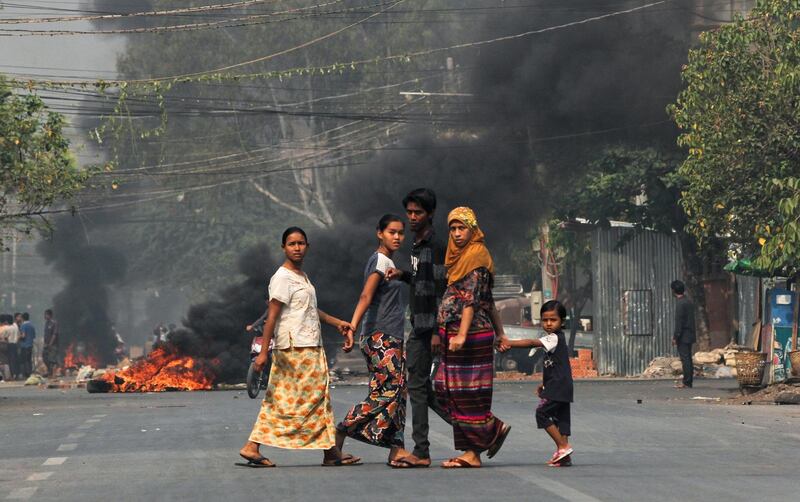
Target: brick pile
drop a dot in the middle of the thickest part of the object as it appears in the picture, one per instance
(583, 366)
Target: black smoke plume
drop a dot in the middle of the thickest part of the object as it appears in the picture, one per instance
(216, 329)
(90, 270)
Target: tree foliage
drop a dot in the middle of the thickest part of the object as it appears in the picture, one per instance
(740, 117)
(36, 166)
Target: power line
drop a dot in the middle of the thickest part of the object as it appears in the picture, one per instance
(204, 8)
(217, 72)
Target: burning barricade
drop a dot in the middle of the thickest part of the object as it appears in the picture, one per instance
(77, 356)
(164, 369)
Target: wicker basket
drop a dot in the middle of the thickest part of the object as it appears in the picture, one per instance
(750, 368)
(794, 357)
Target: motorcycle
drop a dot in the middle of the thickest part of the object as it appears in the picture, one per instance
(258, 380)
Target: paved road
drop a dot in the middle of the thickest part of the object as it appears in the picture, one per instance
(71, 445)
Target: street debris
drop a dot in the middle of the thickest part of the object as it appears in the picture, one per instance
(717, 363)
(35, 379)
(782, 393)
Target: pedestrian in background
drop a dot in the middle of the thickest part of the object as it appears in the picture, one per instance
(8, 340)
(51, 342)
(427, 280)
(12, 350)
(27, 333)
(555, 392)
(684, 335)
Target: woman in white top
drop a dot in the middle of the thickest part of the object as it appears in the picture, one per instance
(296, 412)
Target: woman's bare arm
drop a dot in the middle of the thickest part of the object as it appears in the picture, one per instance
(365, 298)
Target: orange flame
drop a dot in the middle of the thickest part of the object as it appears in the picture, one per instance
(160, 371)
(73, 360)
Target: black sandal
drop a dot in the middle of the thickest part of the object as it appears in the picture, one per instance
(255, 463)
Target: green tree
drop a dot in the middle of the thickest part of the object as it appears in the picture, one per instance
(37, 169)
(740, 121)
(642, 187)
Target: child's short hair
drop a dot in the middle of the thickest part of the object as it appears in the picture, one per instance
(678, 287)
(554, 305)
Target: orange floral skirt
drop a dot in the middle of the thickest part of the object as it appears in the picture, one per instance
(296, 412)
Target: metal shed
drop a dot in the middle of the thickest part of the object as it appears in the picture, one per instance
(634, 307)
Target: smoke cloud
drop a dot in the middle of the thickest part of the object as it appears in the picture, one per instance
(90, 271)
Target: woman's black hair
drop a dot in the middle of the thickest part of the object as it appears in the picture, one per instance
(554, 305)
(292, 230)
(389, 218)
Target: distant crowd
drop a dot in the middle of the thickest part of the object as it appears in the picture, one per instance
(17, 335)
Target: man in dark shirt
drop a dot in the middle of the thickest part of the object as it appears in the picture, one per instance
(683, 337)
(50, 348)
(428, 280)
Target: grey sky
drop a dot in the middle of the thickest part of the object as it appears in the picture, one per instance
(84, 56)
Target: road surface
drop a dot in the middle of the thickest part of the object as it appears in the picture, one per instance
(71, 445)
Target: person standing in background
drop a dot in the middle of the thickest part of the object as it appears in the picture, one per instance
(50, 349)
(684, 335)
(27, 333)
(8, 345)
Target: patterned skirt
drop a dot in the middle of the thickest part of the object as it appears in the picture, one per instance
(296, 412)
(380, 419)
(463, 386)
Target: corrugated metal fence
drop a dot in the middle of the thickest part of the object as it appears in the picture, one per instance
(634, 307)
(747, 292)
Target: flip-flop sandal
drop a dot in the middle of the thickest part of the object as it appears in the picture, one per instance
(561, 454)
(405, 463)
(345, 461)
(564, 462)
(461, 464)
(498, 443)
(255, 463)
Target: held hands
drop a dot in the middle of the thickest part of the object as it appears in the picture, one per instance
(343, 327)
(392, 274)
(539, 390)
(348, 341)
(346, 330)
(248, 328)
(502, 344)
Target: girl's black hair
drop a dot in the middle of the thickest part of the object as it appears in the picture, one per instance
(389, 218)
(291, 230)
(554, 305)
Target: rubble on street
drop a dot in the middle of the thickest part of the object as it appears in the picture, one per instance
(717, 363)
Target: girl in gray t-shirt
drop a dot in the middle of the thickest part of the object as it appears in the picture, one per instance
(380, 418)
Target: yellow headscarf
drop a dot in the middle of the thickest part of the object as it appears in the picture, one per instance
(462, 261)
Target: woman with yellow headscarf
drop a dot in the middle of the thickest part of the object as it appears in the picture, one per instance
(467, 323)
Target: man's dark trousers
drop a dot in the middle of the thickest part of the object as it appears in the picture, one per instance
(420, 390)
(13, 360)
(685, 353)
(25, 361)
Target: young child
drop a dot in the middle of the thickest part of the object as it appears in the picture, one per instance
(555, 393)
